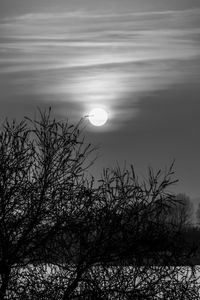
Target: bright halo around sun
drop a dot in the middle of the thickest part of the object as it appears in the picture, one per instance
(98, 116)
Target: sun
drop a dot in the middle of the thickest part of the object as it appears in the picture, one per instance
(98, 116)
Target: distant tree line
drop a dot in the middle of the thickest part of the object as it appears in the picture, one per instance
(198, 215)
(62, 236)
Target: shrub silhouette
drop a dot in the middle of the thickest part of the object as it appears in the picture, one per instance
(64, 237)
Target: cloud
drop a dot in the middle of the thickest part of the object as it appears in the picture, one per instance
(99, 58)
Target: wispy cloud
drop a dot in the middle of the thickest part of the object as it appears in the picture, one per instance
(98, 58)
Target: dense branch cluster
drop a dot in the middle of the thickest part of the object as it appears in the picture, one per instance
(64, 237)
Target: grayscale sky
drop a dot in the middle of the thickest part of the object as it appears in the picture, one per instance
(137, 59)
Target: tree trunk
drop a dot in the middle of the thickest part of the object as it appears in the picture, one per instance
(72, 286)
(5, 274)
(70, 289)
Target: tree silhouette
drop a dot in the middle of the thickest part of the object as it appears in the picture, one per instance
(117, 244)
(183, 210)
(63, 236)
(198, 214)
(40, 167)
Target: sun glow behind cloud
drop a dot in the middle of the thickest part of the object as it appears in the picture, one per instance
(98, 59)
(98, 89)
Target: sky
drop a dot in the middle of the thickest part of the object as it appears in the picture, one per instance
(139, 60)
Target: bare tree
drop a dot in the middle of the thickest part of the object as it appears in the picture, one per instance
(198, 214)
(41, 165)
(118, 246)
(64, 237)
(181, 210)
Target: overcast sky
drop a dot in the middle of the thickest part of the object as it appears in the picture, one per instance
(137, 59)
